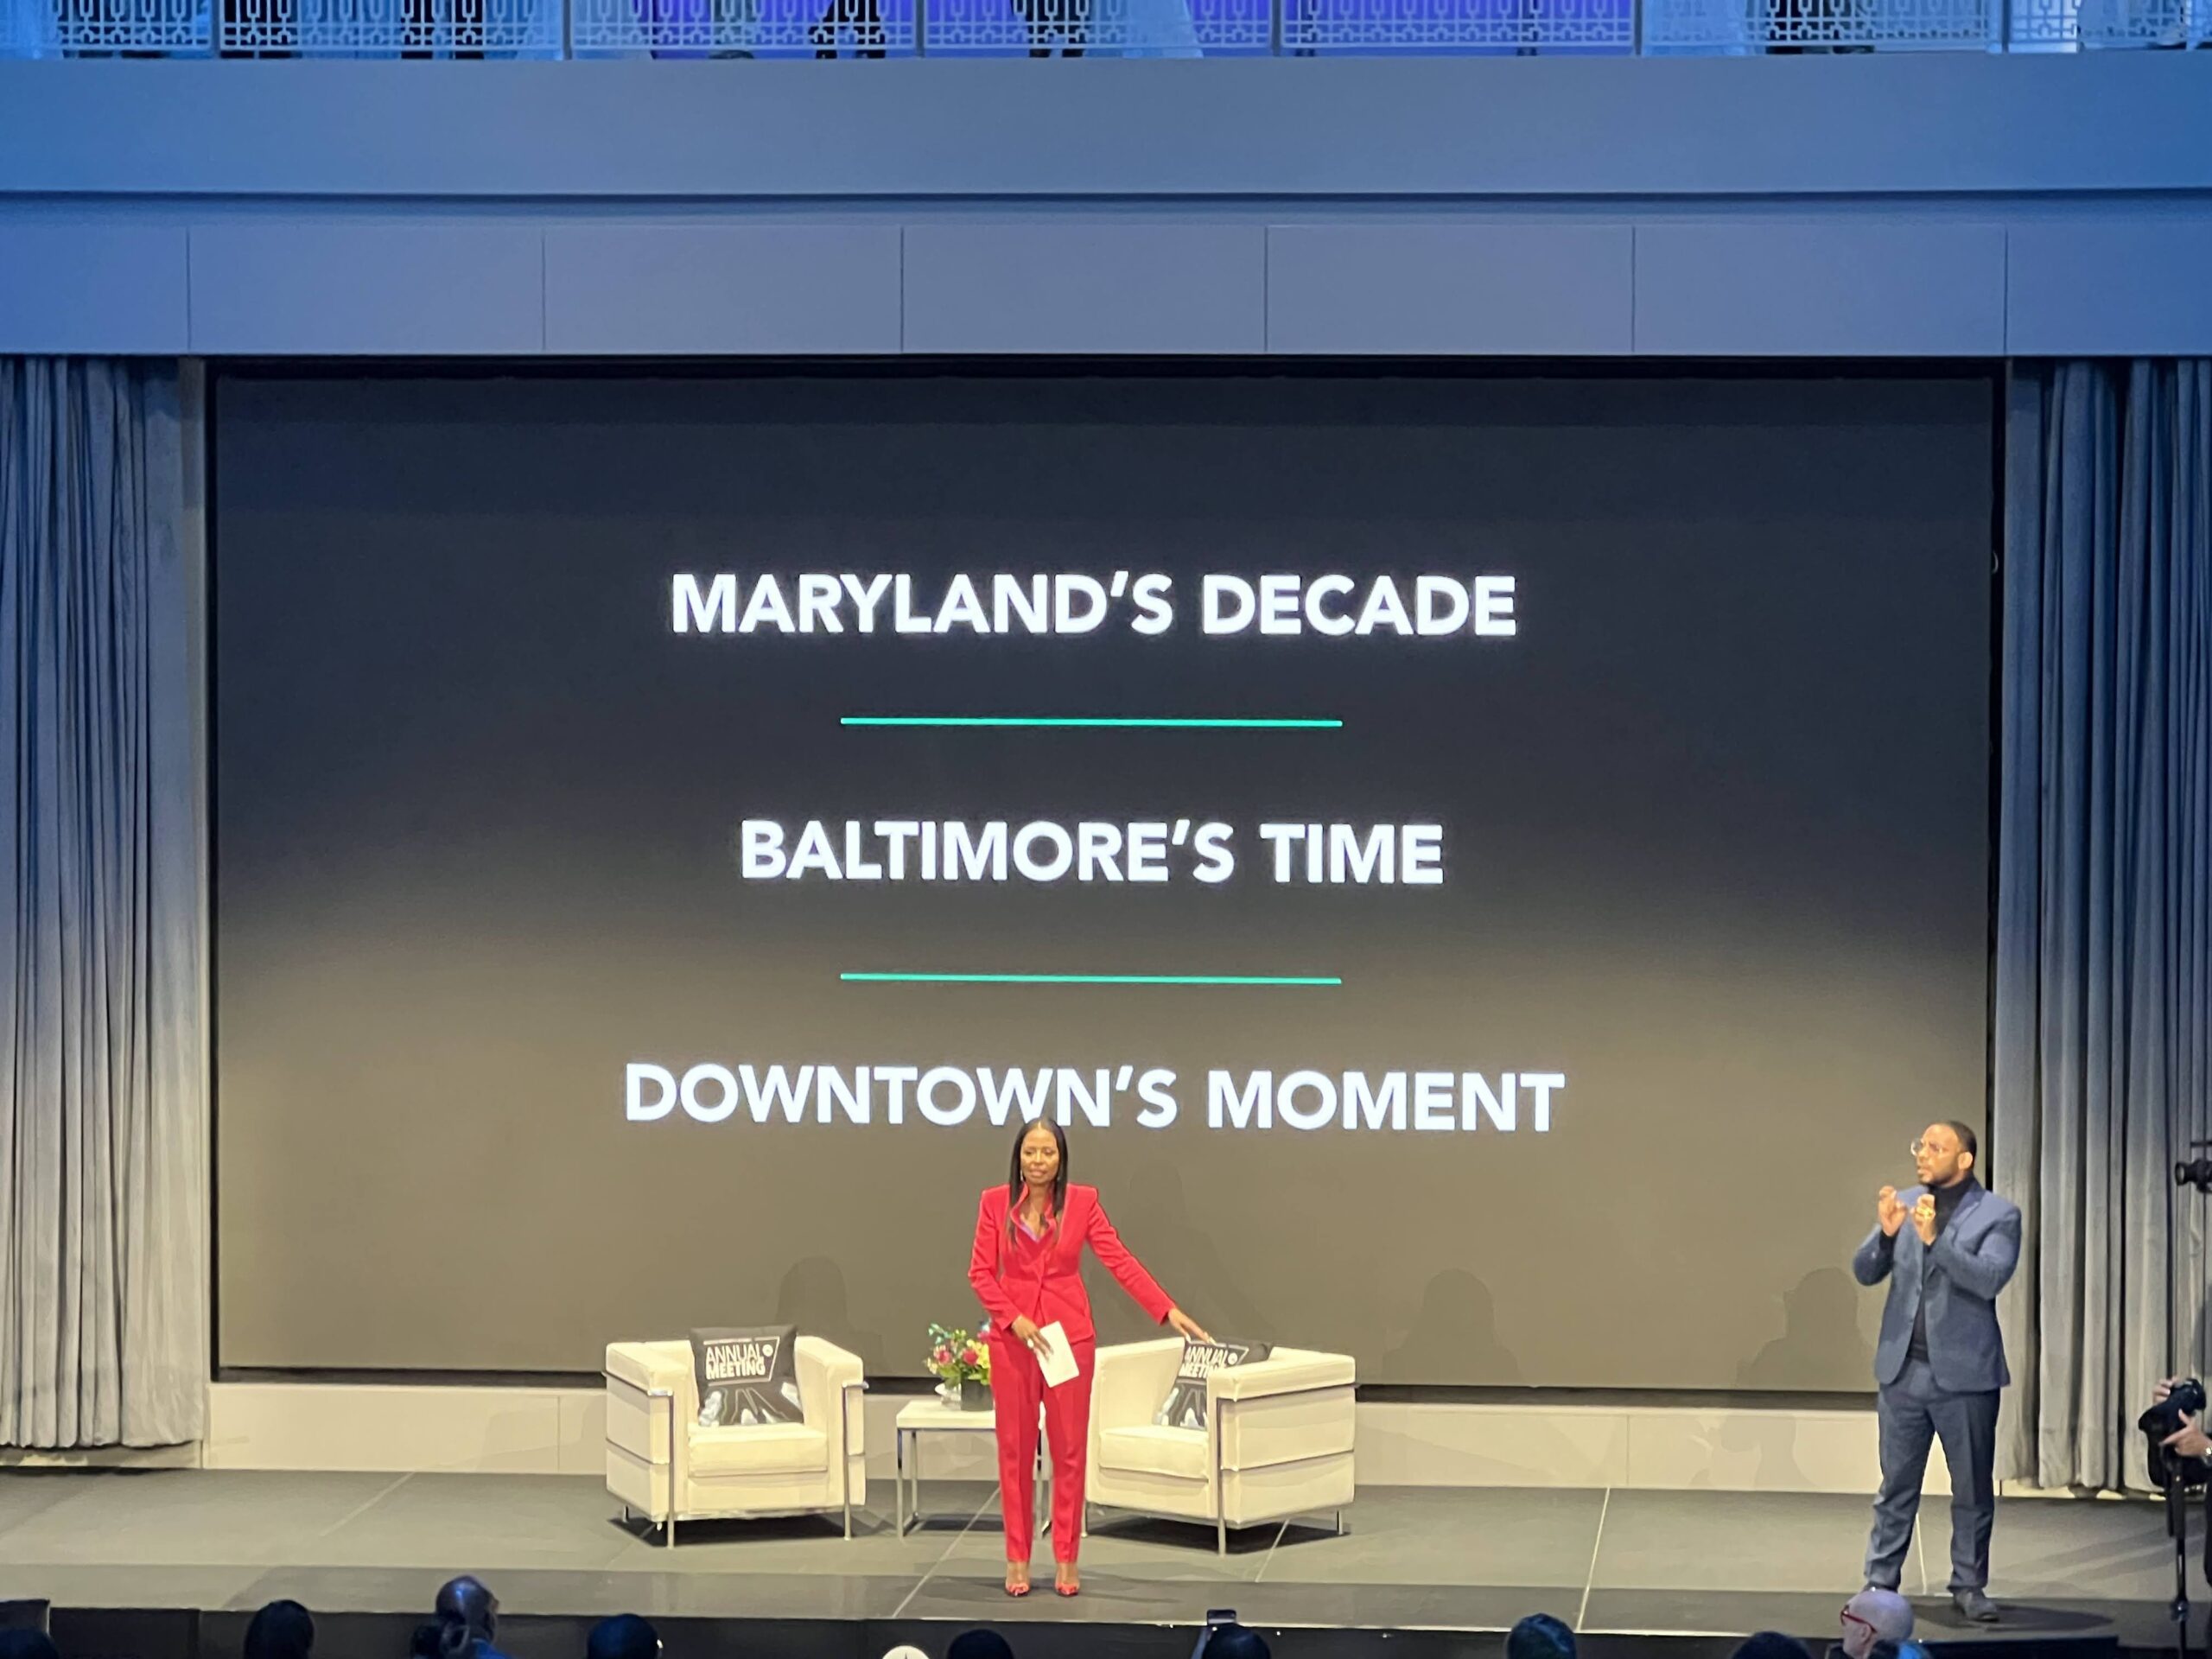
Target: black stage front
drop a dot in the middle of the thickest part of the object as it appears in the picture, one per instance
(166, 1564)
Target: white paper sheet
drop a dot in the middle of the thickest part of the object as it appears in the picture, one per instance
(1055, 1356)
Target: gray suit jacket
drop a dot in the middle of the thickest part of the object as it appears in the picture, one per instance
(1959, 1277)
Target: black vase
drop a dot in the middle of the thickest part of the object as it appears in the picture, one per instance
(975, 1394)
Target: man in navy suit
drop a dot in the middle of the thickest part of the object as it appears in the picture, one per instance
(1947, 1247)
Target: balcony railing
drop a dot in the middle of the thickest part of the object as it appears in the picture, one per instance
(787, 28)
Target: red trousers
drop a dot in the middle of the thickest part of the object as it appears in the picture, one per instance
(1016, 1385)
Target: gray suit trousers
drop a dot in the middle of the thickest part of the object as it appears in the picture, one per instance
(1913, 1411)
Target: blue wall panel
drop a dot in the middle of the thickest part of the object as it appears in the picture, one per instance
(2111, 290)
(1810, 289)
(310, 287)
(1380, 289)
(670, 290)
(1114, 286)
(1593, 128)
(82, 288)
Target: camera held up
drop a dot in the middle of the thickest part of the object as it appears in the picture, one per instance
(2164, 1419)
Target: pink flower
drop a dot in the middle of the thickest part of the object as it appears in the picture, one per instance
(942, 1356)
(967, 1355)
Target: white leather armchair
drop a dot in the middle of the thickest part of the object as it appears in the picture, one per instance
(1278, 1440)
(661, 1465)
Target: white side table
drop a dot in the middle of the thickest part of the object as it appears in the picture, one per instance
(932, 1416)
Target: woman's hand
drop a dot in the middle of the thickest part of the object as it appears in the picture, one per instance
(1024, 1331)
(1185, 1325)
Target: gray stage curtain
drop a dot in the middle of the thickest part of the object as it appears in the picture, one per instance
(103, 1139)
(2104, 902)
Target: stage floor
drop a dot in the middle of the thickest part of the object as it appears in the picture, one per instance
(1624, 1562)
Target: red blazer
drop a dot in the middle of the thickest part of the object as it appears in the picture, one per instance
(1042, 1278)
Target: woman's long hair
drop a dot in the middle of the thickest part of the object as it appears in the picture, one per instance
(1014, 1183)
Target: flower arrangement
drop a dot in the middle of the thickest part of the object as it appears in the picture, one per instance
(961, 1363)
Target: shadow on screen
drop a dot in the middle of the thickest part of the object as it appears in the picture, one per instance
(812, 1297)
(1454, 1337)
(1153, 1214)
(1820, 1339)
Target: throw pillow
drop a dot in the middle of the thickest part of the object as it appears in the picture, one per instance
(746, 1375)
(1186, 1405)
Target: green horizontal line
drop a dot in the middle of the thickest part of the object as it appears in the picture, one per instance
(1097, 979)
(1088, 719)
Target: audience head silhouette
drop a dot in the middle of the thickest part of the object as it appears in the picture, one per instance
(282, 1630)
(979, 1644)
(625, 1635)
(1540, 1636)
(1771, 1644)
(1237, 1642)
(27, 1644)
(468, 1601)
(466, 1623)
(1873, 1616)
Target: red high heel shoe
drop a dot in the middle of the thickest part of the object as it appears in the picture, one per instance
(1021, 1589)
(1061, 1589)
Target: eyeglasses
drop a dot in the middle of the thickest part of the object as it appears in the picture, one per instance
(1850, 1617)
(1919, 1146)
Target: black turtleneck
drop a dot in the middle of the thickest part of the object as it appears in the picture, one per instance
(1948, 1199)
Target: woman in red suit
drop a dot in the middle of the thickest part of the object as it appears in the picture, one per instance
(1027, 1267)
